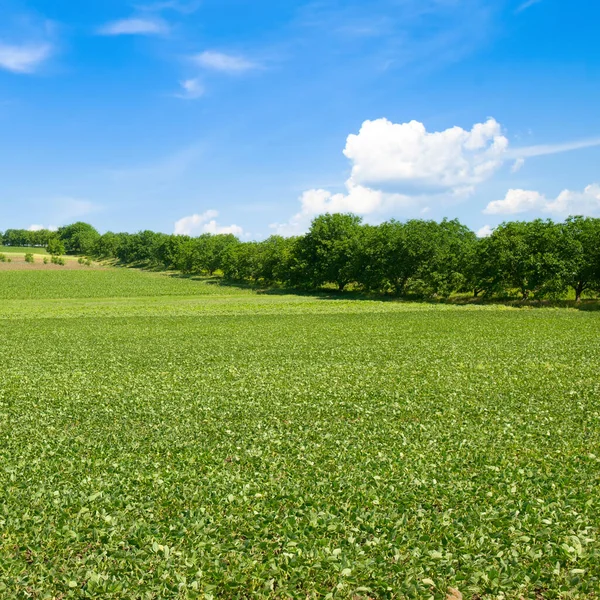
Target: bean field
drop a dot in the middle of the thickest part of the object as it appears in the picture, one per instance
(164, 437)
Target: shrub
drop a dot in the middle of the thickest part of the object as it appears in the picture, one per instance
(29, 258)
(81, 260)
(88, 262)
(57, 260)
(56, 247)
(46, 261)
(2, 257)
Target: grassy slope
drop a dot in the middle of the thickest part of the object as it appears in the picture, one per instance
(194, 439)
(21, 250)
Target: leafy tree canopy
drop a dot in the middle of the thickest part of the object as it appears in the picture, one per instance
(79, 238)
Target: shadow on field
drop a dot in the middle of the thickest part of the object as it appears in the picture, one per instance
(588, 304)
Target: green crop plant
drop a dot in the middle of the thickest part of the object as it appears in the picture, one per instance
(179, 439)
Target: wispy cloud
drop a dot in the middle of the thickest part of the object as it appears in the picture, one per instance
(225, 63)
(68, 209)
(135, 26)
(545, 149)
(185, 8)
(158, 172)
(192, 89)
(364, 29)
(399, 34)
(517, 165)
(26, 58)
(526, 5)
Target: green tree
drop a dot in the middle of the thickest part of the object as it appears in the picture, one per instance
(79, 238)
(529, 257)
(480, 271)
(16, 237)
(241, 261)
(329, 250)
(125, 247)
(169, 249)
(107, 245)
(582, 253)
(419, 245)
(274, 258)
(216, 249)
(447, 270)
(142, 247)
(56, 246)
(381, 261)
(204, 254)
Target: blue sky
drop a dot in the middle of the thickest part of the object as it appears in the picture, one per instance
(253, 116)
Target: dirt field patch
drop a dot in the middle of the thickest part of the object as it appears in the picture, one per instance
(18, 264)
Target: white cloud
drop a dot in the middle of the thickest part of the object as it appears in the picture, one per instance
(566, 203)
(404, 166)
(204, 223)
(23, 58)
(226, 63)
(485, 231)
(407, 158)
(135, 26)
(515, 202)
(214, 228)
(585, 203)
(401, 166)
(192, 89)
(193, 223)
(359, 200)
(42, 228)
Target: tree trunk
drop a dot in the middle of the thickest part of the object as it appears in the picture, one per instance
(400, 285)
(578, 291)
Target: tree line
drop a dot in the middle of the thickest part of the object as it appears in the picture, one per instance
(540, 258)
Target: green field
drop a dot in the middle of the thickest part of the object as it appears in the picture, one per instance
(22, 250)
(171, 438)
